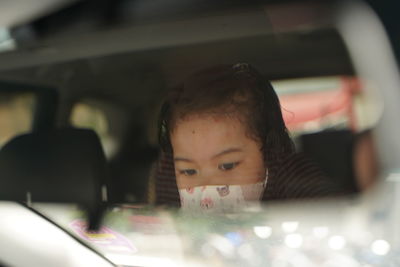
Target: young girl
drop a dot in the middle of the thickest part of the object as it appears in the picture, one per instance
(225, 144)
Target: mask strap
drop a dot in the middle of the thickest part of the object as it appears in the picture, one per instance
(266, 178)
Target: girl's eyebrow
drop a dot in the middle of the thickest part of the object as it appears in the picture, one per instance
(227, 151)
(183, 159)
(224, 152)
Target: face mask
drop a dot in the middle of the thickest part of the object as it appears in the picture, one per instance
(221, 198)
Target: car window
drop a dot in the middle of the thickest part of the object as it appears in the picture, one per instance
(315, 104)
(98, 116)
(87, 116)
(320, 103)
(16, 115)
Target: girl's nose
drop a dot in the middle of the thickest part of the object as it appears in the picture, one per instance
(207, 177)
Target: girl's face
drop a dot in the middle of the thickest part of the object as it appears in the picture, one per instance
(214, 150)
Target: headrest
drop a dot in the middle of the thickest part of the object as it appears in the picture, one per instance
(60, 165)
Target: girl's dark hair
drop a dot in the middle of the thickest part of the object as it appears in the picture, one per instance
(234, 90)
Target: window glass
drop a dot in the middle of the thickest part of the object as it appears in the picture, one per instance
(321, 103)
(16, 114)
(87, 115)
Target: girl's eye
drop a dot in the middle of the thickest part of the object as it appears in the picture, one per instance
(227, 166)
(188, 172)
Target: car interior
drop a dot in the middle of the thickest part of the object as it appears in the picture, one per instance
(117, 94)
(80, 94)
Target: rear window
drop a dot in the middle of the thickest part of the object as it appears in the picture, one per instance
(324, 103)
(98, 116)
(16, 114)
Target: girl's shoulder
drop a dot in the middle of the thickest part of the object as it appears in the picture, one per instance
(296, 176)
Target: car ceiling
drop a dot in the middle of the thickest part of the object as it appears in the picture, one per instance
(15, 12)
(132, 64)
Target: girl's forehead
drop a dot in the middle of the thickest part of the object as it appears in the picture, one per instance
(210, 126)
(210, 117)
(208, 133)
(209, 122)
(204, 138)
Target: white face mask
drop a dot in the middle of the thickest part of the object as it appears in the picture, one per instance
(221, 198)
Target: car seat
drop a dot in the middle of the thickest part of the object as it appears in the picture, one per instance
(60, 165)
